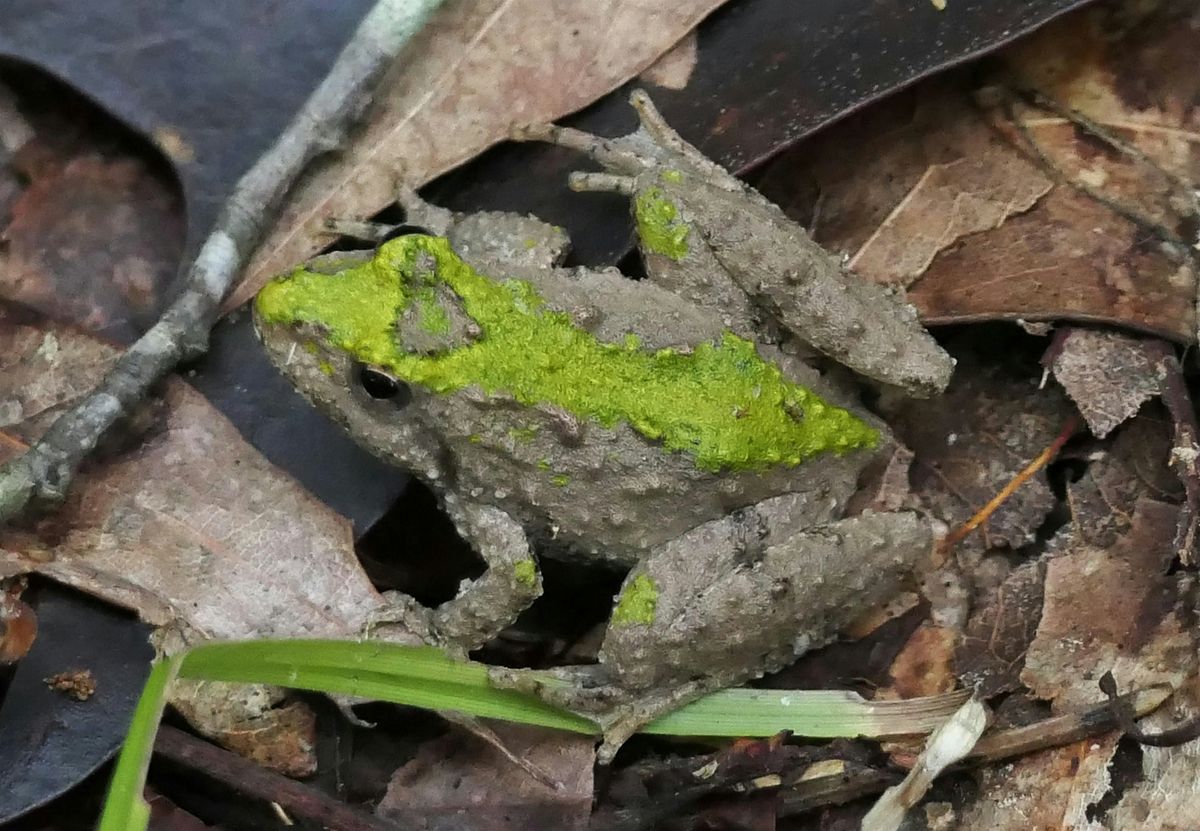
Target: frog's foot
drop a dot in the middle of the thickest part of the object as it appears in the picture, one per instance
(654, 146)
(617, 155)
(484, 606)
(588, 691)
(417, 213)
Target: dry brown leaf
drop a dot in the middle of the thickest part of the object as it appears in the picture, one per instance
(1134, 467)
(971, 442)
(992, 652)
(193, 528)
(925, 666)
(463, 783)
(889, 179)
(476, 69)
(93, 240)
(1111, 609)
(1107, 374)
(674, 68)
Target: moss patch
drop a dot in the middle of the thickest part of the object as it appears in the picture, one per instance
(637, 603)
(659, 226)
(722, 403)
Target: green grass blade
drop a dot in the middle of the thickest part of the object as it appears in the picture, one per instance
(418, 676)
(422, 676)
(124, 808)
(825, 714)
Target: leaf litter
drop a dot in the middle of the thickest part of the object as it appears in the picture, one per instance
(191, 528)
(1016, 212)
(981, 213)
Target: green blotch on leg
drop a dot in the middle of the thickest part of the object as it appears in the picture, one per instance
(637, 603)
(659, 226)
(525, 571)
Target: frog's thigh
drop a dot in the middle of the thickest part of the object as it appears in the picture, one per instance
(487, 604)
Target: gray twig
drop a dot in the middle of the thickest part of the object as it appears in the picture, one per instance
(43, 473)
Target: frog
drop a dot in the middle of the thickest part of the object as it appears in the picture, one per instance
(701, 429)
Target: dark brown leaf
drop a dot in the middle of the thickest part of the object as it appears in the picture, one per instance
(461, 782)
(992, 652)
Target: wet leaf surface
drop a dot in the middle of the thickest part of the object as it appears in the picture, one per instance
(212, 84)
(50, 740)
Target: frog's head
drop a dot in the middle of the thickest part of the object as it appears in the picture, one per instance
(362, 335)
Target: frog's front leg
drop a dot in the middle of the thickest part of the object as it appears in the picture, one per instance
(485, 605)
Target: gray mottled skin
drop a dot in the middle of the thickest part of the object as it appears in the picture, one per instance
(752, 567)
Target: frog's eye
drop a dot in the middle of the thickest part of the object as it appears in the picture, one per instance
(383, 387)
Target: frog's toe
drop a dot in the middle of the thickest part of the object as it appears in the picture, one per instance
(655, 125)
(603, 183)
(618, 155)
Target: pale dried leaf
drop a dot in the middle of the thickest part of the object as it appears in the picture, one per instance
(674, 68)
(1107, 374)
(194, 530)
(950, 201)
(1052, 789)
(945, 746)
(476, 69)
(1069, 256)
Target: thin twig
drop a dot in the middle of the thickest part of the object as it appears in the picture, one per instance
(1180, 248)
(1044, 458)
(244, 776)
(1056, 731)
(1181, 733)
(42, 475)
